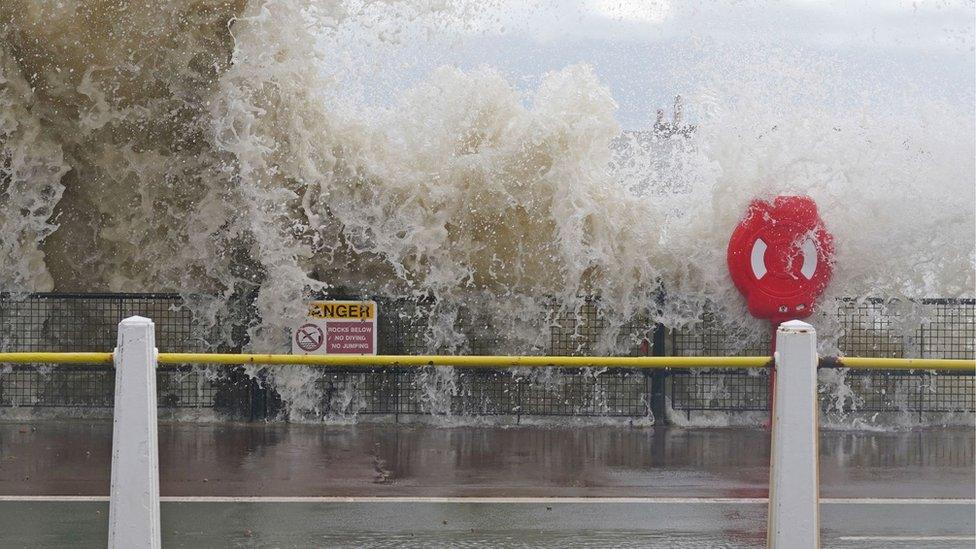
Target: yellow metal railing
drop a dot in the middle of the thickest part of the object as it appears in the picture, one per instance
(57, 358)
(642, 362)
(485, 361)
(862, 363)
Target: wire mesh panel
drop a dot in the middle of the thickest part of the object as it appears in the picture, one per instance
(883, 392)
(870, 329)
(949, 330)
(351, 392)
(928, 328)
(575, 332)
(947, 393)
(864, 391)
(580, 333)
(189, 387)
(77, 386)
(479, 392)
(89, 323)
(93, 387)
(56, 324)
(611, 393)
(710, 337)
(737, 391)
(931, 392)
(483, 392)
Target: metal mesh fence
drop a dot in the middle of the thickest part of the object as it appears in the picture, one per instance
(393, 391)
(404, 330)
(712, 338)
(880, 391)
(87, 387)
(738, 391)
(88, 322)
(94, 387)
(869, 391)
(928, 328)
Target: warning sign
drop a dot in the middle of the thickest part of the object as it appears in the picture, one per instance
(337, 327)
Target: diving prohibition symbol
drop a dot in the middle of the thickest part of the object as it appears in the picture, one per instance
(309, 337)
(780, 257)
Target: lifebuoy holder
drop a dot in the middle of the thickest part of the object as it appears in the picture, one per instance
(780, 257)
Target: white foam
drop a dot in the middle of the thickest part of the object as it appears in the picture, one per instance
(240, 161)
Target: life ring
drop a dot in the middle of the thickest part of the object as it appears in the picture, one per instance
(780, 257)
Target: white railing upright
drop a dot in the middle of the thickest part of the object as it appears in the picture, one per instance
(134, 506)
(794, 493)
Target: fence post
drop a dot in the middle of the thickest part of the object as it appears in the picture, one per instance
(794, 493)
(134, 507)
(659, 378)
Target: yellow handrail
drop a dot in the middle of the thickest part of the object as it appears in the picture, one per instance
(405, 360)
(486, 361)
(642, 362)
(864, 363)
(57, 358)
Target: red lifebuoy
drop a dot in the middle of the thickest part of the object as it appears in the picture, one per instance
(780, 257)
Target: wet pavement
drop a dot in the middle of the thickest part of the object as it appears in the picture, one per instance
(686, 487)
(74, 458)
(553, 524)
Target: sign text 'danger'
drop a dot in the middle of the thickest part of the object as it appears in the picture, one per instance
(351, 310)
(337, 327)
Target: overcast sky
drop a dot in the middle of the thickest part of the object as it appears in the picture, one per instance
(890, 53)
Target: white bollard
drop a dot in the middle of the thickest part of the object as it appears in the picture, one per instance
(794, 468)
(133, 517)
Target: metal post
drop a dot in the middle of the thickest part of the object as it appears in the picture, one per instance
(794, 519)
(134, 508)
(659, 378)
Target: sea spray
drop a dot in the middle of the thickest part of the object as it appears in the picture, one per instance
(221, 152)
(31, 166)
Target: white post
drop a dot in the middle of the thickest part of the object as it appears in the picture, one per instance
(133, 516)
(794, 468)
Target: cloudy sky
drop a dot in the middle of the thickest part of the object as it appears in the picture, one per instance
(845, 53)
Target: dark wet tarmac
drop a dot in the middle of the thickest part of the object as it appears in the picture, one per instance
(930, 470)
(509, 525)
(73, 458)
